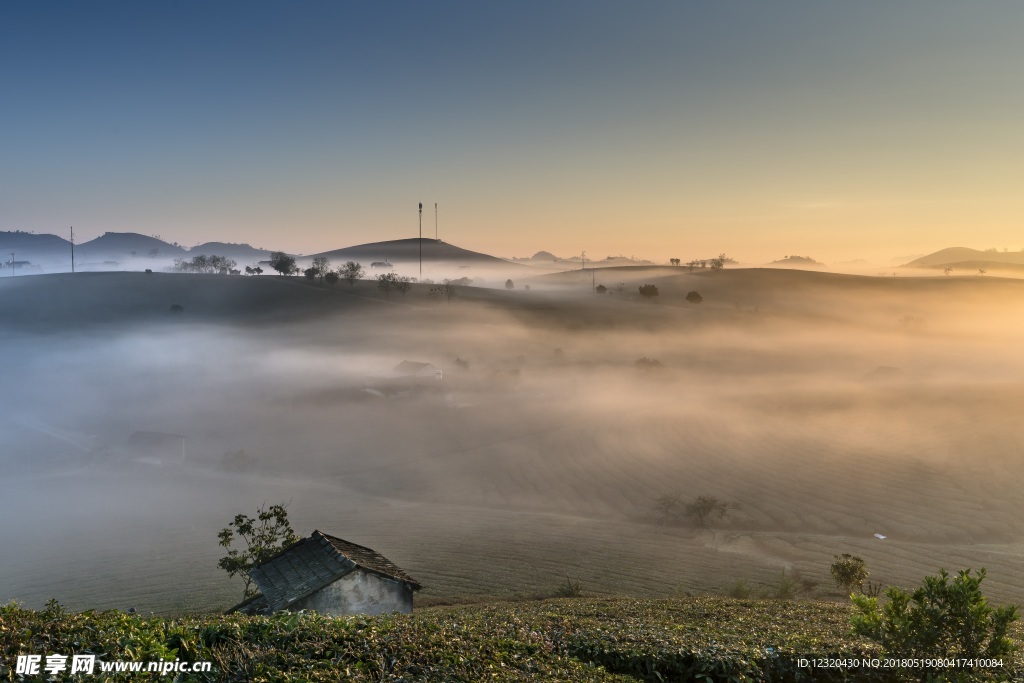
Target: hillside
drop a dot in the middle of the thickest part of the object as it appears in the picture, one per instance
(968, 261)
(29, 246)
(592, 640)
(120, 245)
(542, 451)
(409, 250)
(244, 254)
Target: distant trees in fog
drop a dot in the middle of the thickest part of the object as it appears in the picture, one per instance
(283, 263)
(694, 297)
(648, 291)
(447, 290)
(205, 264)
(389, 282)
(253, 271)
(350, 272)
(509, 284)
(321, 266)
(700, 512)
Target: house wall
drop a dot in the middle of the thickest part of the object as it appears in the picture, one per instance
(359, 592)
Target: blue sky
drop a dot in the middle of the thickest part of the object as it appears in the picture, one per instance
(839, 130)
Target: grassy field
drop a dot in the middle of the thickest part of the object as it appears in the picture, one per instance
(540, 454)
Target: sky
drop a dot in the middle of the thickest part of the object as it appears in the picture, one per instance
(840, 131)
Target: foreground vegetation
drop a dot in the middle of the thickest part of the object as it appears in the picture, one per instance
(709, 639)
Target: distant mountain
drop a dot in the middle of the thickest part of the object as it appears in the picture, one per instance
(28, 246)
(123, 245)
(242, 253)
(409, 250)
(798, 262)
(963, 257)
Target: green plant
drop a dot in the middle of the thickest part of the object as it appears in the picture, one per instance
(740, 589)
(569, 589)
(264, 536)
(787, 588)
(942, 618)
(849, 572)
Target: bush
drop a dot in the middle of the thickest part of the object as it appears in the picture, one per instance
(649, 291)
(694, 297)
(740, 590)
(939, 619)
(849, 572)
(569, 589)
(600, 289)
(787, 588)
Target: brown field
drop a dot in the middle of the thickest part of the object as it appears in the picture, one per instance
(538, 456)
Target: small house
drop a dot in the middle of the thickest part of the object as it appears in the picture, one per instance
(408, 368)
(331, 576)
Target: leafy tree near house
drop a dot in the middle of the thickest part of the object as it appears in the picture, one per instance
(263, 537)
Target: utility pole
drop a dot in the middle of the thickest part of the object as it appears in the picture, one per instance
(435, 221)
(72, 248)
(12, 264)
(421, 240)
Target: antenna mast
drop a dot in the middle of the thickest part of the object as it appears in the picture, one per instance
(72, 248)
(421, 240)
(435, 222)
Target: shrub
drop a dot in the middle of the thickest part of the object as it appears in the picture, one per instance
(569, 589)
(939, 619)
(849, 572)
(694, 297)
(648, 291)
(740, 590)
(787, 588)
(600, 289)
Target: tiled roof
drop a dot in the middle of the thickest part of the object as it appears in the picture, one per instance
(314, 562)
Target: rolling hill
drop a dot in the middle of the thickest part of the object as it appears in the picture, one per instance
(409, 250)
(970, 260)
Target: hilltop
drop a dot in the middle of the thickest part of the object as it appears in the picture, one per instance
(408, 250)
(968, 261)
